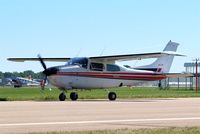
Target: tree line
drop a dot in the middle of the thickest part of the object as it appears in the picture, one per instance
(27, 73)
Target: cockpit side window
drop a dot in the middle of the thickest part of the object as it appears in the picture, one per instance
(96, 66)
(113, 68)
(83, 62)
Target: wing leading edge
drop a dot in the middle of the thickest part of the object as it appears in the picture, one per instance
(111, 58)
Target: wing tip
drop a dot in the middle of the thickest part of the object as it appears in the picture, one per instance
(15, 60)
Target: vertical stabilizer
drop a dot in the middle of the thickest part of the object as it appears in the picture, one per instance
(162, 64)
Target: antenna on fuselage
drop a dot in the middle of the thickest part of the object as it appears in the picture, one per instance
(104, 48)
(79, 51)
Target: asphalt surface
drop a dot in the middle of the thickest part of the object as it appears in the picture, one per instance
(25, 117)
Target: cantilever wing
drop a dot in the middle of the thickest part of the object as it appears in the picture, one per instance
(134, 56)
(36, 59)
(111, 58)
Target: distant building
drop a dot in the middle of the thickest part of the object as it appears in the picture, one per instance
(183, 81)
(190, 67)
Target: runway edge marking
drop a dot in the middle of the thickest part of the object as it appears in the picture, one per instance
(96, 122)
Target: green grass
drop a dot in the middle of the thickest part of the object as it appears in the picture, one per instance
(186, 130)
(27, 93)
(31, 93)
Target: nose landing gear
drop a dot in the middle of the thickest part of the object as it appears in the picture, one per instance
(62, 96)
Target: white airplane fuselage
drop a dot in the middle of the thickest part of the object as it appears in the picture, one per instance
(77, 77)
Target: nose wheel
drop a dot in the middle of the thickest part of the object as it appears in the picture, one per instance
(62, 97)
(112, 96)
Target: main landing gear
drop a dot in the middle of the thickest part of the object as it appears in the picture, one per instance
(112, 96)
(73, 96)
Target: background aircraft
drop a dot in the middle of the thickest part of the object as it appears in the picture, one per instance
(20, 81)
(103, 72)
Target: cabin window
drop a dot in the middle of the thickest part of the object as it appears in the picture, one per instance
(96, 66)
(113, 68)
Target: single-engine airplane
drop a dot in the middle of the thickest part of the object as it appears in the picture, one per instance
(103, 72)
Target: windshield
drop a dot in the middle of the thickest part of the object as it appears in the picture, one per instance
(83, 62)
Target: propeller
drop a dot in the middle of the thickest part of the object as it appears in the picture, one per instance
(42, 62)
(47, 71)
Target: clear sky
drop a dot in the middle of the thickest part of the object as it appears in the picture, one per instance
(70, 28)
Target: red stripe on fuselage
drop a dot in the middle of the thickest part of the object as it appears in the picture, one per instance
(116, 75)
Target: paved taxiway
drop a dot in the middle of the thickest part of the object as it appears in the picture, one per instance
(18, 117)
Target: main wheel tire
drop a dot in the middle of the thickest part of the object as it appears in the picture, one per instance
(112, 96)
(62, 97)
(73, 96)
